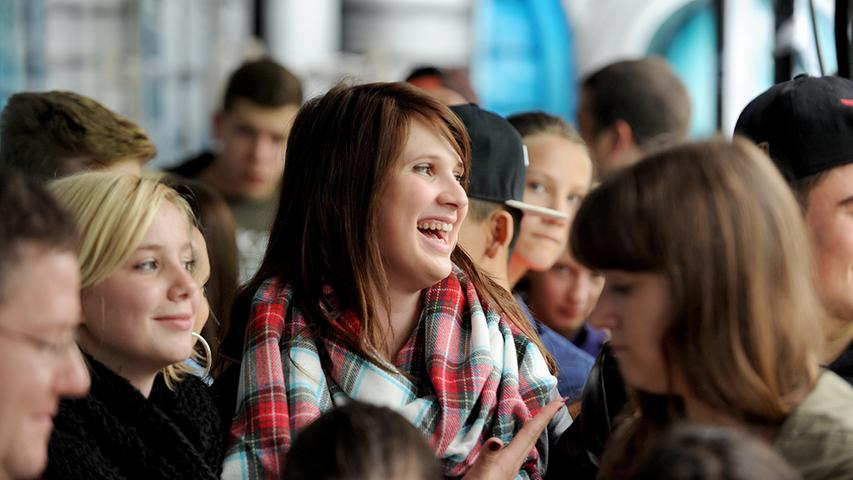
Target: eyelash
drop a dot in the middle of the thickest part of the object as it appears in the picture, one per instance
(151, 265)
(536, 187)
(426, 169)
(619, 289)
(146, 265)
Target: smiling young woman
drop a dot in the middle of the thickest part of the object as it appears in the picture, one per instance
(364, 296)
(144, 416)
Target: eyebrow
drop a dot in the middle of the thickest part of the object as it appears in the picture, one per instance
(158, 247)
(846, 201)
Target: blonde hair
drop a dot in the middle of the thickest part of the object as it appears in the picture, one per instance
(113, 212)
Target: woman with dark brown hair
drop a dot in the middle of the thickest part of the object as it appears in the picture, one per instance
(711, 307)
(363, 295)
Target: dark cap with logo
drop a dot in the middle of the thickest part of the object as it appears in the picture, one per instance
(498, 161)
(805, 124)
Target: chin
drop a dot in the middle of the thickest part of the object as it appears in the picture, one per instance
(29, 461)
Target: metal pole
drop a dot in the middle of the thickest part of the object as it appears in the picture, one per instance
(783, 27)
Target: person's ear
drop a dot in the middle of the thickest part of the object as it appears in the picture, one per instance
(621, 136)
(218, 122)
(500, 233)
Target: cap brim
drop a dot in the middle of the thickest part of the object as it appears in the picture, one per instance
(536, 210)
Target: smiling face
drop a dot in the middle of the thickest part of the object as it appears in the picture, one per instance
(636, 308)
(139, 319)
(829, 219)
(421, 211)
(559, 176)
(564, 295)
(201, 274)
(39, 361)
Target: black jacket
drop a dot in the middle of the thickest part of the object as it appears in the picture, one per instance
(117, 433)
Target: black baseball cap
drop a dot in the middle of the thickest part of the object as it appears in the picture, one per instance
(498, 161)
(805, 124)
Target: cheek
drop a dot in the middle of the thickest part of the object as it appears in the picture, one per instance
(114, 311)
(528, 226)
(594, 292)
(554, 288)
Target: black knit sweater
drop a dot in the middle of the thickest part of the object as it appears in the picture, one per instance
(117, 433)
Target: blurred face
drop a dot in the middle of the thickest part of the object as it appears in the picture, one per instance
(564, 295)
(421, 211)
(829, 219)
(251, 160)
(140, 318)
(636, 308)
(201, 274)
(559, 176)
(39, 359)
(586, 125)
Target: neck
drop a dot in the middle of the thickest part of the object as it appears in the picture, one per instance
(839, 335)
(517, 269)
(496, 268)
(570, 333)
(403, 318)
(140, 377)
(697, 411)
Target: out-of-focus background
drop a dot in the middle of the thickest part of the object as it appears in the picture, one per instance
(163, 62)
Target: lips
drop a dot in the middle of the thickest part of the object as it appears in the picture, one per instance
(436, 232)
(569, 312)
(542, 236)
(183, 321)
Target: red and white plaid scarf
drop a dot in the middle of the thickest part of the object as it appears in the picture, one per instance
(475, 376)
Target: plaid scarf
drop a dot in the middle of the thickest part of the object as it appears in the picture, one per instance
(476, 376)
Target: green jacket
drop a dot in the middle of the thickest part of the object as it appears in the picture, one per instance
(817, 437)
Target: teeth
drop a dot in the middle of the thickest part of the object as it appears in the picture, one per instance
(446, 227)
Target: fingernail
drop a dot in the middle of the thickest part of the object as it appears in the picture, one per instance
(494, 446)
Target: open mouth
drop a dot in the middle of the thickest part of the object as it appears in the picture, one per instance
(436, 231)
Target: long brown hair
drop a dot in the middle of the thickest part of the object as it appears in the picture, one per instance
(340, 152)
(718, 221)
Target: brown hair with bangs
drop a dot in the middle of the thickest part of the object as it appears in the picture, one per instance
(717, 220)
(340, 154)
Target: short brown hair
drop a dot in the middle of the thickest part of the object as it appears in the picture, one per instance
(265, 83)
(361, 442)
(42, 133)
(30, 215)
(645, 93)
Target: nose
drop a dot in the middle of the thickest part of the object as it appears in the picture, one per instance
(453, 194)
(265, 148)
(604, 315)
(578, 288)
(72, 376)
(561, 205)
(183, 285)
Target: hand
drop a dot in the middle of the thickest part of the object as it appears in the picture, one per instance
(497, 462)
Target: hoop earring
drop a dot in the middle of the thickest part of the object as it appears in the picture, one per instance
(207, 353)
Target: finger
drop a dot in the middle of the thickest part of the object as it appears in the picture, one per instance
(493, 446)
(524, 440)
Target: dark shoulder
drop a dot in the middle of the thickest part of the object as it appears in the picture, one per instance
(193, 166)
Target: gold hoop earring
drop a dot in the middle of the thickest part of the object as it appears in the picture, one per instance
(207, 353)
